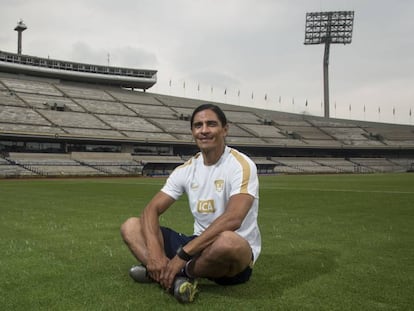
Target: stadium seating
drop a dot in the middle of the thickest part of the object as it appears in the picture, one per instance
(55, 110)
(306, 165)
(380, 165)
(340, 164)
(47, 164)
(118, 164)
(27, 85)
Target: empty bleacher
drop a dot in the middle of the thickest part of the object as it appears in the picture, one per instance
(73, 119)
(393, 135)
(406, 163)
(134, 97)
(34, 86)
(144, 159)
(57, 110)
(41, 101)
(46, 164)
(242, 117)
(126, 123)
(351, 136)
(340, 164)
(380, 165)
(172, 101)
(9, 98)
(305, 165)
(84, 110)
(77, 91)
(8, 170)
(104, 107)
(119, 164)
(158, 165)
(21, 115)
(29, 129)
(264, 165)
(265, 131)
(152, 111)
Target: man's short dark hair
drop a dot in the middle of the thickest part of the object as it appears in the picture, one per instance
(216, 109)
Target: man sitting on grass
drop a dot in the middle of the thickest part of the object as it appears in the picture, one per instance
(222, 188)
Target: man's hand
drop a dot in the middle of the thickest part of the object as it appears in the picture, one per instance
(156, 266)
(173, 267)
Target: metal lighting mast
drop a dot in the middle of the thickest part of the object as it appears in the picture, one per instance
(20, 28)
(327, 28)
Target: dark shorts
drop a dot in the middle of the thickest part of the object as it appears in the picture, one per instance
(173, 240)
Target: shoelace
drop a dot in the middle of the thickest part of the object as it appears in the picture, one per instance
(190, 288)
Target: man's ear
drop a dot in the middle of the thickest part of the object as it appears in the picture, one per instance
(226, 130)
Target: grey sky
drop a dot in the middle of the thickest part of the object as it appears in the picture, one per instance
(252, 46)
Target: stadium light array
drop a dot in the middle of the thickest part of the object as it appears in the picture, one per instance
(326, 28)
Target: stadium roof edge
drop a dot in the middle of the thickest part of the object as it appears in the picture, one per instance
(79, 72)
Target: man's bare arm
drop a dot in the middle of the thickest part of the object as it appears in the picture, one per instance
(237, 209)
(231, 220)
(156, 259)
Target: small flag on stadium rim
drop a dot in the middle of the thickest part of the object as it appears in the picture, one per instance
(211, 89)
(252, 95)
(198, 87)
(238, 93)
(225, 91)
(410, 112)
(184, 85)
(306, 103)
(364, 108)
(170, 82)
(265, 96)
(280, 99)
(393, 111)
(350, 108)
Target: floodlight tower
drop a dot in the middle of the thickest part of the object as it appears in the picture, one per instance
(327, 28)
(20, 28)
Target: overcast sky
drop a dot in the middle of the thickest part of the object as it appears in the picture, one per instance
(243, 52)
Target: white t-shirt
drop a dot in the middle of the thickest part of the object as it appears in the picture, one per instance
(209, 188)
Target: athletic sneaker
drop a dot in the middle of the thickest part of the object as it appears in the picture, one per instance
(139, 274)
(185, 289)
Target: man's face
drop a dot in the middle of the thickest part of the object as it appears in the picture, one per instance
(207, 130)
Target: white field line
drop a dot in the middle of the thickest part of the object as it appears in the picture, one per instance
(339, 190)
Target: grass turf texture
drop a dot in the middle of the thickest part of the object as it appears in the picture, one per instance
(337, 242)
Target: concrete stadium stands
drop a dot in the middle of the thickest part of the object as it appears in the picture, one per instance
(128, 96)
(20, 115)
(380, 165)
(121, 164)
(40, 101)
(104, 107)
(27, 85)
(340, 164)
(152, 111)
(11, 170)
(153, 165)
(10, 98)
(84, 92)
(306, 165)
(82, 116)
(52, 164)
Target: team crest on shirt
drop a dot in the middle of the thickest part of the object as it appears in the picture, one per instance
(219, 184)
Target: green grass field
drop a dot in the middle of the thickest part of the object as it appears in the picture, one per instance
(337, 242)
